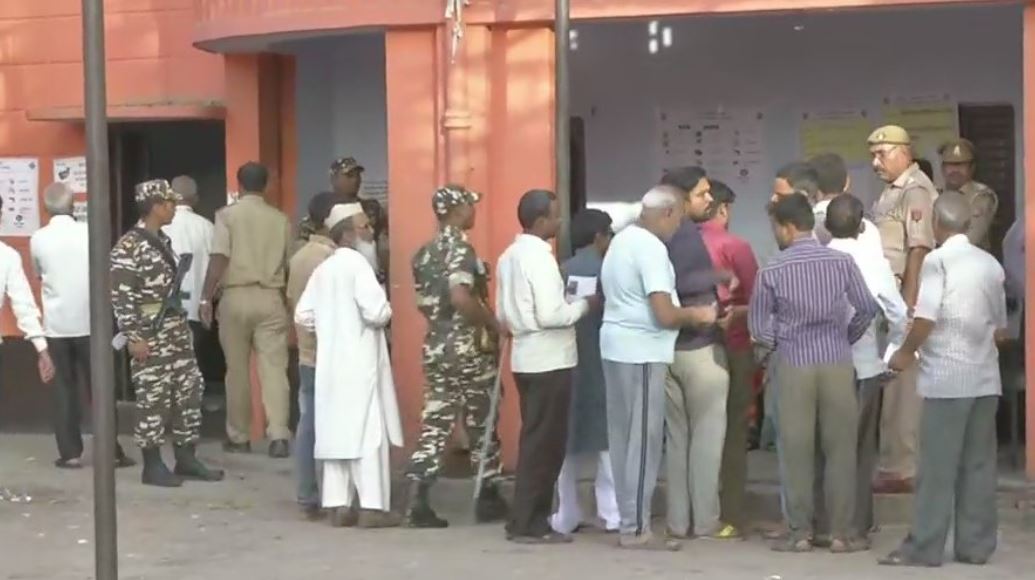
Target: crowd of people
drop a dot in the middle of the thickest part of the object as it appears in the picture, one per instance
(636, 356)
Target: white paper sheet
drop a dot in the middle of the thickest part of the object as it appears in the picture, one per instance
(72, 172)
(581, 287)
(19, 185)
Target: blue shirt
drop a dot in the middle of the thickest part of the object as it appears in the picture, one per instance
(695, 281)
(636, 266)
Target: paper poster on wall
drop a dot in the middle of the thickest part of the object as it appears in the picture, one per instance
(72, 172)
(19, 186)
(930, 120)
(727, 143)
(841, 131)
(79, 211)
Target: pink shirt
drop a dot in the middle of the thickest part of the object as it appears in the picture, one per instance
(732, 254)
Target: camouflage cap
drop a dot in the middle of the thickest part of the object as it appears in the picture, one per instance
(450, 196)
(957, 151)
(889, 135)
(345, 165)
(156, 189)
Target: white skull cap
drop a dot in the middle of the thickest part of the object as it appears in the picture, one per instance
(341, 212)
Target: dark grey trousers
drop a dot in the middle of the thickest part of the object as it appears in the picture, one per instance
(818, 403)
(869, 396)
(956, 477)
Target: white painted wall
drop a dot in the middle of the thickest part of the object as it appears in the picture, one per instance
(340, 109)
(842, 58)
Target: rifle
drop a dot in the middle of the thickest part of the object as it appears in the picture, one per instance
(173, 301)
(490, 423)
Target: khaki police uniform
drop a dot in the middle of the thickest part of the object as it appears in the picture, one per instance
(904, 217)
(982, 199)
(253, 316)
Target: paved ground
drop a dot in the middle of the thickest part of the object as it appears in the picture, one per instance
(248, 527)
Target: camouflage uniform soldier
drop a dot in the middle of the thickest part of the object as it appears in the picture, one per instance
(164, 371)
(459, 355)
(346, 177)
(958, 168)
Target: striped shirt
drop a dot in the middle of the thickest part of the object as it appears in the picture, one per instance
(801, 303)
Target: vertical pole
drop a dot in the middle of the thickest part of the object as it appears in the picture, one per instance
(102, 368)
(562, 124)
(1028, 76)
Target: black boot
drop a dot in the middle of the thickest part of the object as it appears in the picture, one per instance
(420, 514)
(188, 466)
(155, 472)
(490, 507)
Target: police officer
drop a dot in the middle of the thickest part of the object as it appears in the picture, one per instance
(958, 170)
(249, 260)
(460, 355)
(903, 215)
(163, 367)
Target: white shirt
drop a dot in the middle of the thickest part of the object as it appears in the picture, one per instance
(15, 285)
(867, 352)
(1013, 259)
(530, 302)
(870, 236)
(191, 233)
(961, 291)
(61, 255)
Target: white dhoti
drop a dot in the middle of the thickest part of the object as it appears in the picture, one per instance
(569, 513)
(368, 476)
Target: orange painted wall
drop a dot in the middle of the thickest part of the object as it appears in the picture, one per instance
(150, 60)
(498, 105)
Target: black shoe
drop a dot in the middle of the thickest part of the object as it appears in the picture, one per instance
(490, 507)
(155, 472)
(121, 459)
(188, 466)
(279, 449)
(420, 514)
(231, 447)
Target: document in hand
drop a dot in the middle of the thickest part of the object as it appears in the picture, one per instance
(581, 287)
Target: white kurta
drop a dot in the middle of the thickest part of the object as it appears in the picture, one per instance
(355, 405)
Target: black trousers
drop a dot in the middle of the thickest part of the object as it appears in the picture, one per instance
(545, 400)
(71, 358)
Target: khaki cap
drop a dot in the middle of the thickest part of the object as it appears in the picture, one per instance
(957, 151)
(889, 135)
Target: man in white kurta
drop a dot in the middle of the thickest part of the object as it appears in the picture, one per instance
(356, 414)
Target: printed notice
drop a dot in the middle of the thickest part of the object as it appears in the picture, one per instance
(72, 172)
(19, 186)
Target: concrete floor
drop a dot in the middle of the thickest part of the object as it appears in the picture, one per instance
(248, 527)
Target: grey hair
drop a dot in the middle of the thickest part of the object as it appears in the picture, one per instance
(186, 187)
(662, 197)
(58, 199)
(952, 213)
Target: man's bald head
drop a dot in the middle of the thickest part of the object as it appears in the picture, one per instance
(844, 216)
(187, 188)
(951, 216)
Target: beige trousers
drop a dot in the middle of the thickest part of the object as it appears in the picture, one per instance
(899, 422)
(255, 319)
(695, 427)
